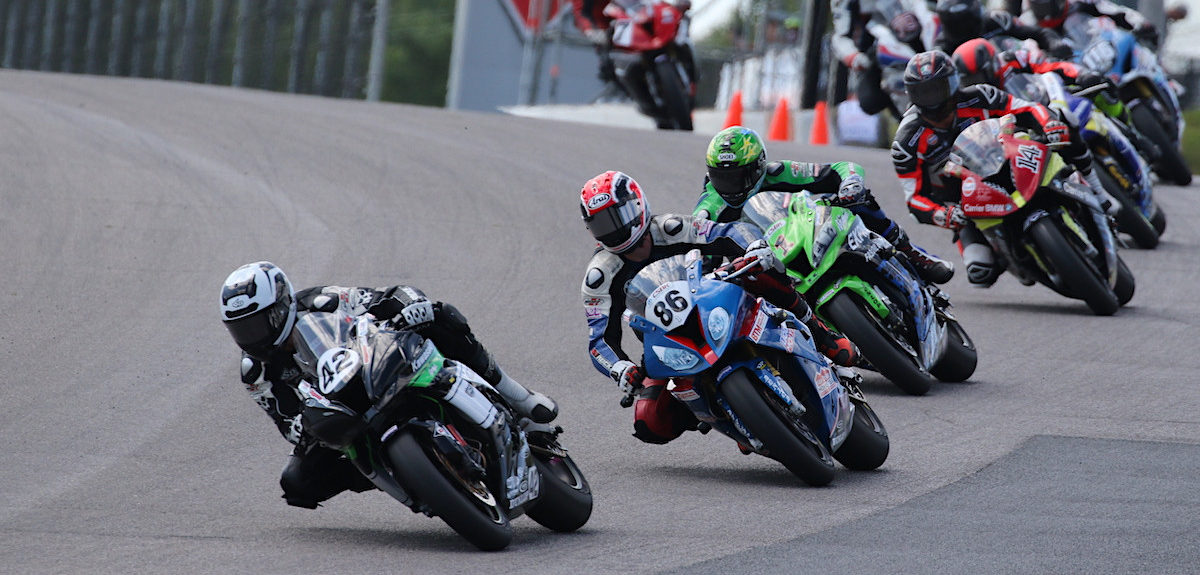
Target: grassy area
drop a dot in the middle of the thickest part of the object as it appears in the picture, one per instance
(1191, 138)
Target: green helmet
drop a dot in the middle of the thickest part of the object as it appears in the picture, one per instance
(737, 164)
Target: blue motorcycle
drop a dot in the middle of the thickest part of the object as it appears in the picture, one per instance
(749, 369)
(1124, 173)
(1144, 89)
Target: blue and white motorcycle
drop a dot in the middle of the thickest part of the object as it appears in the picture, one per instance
(1150, 97)
(750, 370)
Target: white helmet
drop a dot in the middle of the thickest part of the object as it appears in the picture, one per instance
(258, 307)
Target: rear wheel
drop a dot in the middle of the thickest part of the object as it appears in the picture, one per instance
(789, 440)
(466, 505)
(876, 344)
(1130, 219)
(1080, 277)
(959, 360)
(674, 94)
(565, 503)
(1158, 218)
(1171, 166)
(867, 445)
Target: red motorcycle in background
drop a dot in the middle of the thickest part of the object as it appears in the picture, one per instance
(652, 54)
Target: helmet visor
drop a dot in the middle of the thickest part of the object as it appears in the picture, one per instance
(255, 332)
(613, 225)
(932, 94)
(734, 184)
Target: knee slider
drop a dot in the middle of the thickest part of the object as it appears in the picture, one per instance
(980, 263)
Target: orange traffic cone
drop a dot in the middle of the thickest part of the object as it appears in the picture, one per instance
(781, 122)
(820, 129)
(733, 117)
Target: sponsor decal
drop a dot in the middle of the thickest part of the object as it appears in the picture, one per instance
(686, 395)
(968, 188)
(756, 332)
(724, 372)
(238, 302)
(598, 200)
(726, 157)
(703, 227)
(775, 227)
(826, 382)
(932, 140)
(789, 339)
(795, 169)
(592, 312)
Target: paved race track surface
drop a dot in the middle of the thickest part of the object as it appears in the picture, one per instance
(129, 446)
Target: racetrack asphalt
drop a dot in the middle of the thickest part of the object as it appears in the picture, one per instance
(130, 447)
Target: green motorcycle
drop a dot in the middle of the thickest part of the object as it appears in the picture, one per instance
(862, 287)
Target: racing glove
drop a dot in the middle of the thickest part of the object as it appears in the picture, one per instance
(852, 190)
(627, 375)
(951, 217)
(1057, 133)
(759, 252)
(859, 62)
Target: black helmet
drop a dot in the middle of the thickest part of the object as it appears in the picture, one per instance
(258, 307)
(961, 19)
(931, 81)
(1049, 13)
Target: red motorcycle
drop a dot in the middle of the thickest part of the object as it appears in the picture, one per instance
(1038, 214)
(652, 54)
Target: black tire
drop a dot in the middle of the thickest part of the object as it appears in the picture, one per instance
(1158, 218)
(566, 500)
(1130, 219)
(1125, 282)
(674, 95)
(792, 443)
(896, 364)
(428, 483)
(959, 360)
(1171, 165)
(867, 445)
(1083, 280)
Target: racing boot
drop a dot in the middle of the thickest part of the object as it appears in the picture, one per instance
(931, 268)
(536, 406)
(837, 348)
(982, 268)
(1109, 204)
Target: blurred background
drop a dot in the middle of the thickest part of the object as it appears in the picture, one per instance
(462, 54)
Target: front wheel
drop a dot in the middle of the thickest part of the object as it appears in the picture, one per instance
(1171, 166)
(466, 505)
(565, 503)
(1130, 219)
(878, 346)
(959, 360)
(1080, 277)
(1125, 283)
(867, 445)
(788, 439)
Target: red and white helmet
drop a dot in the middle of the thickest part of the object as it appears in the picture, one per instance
(615, 211)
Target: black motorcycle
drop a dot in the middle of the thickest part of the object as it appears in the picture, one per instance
(431, 433)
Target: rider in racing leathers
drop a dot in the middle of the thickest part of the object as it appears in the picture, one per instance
(737, 169)
(1067, 19)
(854, 44)
(630, 238)
(940, 112)
(259, 308)
(964, 20)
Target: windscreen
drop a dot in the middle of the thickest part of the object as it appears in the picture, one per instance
(978, 147)
(639, 289)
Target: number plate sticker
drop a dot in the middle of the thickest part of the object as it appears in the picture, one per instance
(669, 305)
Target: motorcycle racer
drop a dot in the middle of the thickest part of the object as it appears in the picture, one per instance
(737, 169)
(1062, 16)
(964, 20)
(629, 238)
(259, 308)
(941, 110)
